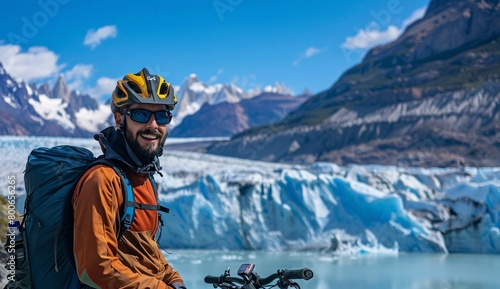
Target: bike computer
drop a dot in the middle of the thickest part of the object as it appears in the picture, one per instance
(246, 269)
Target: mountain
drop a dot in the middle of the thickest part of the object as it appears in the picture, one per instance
(229, 118)
(59, 111)
(429, 98)
(193, 94)
(31, 110)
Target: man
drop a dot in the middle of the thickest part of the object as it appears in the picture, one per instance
(105, 255)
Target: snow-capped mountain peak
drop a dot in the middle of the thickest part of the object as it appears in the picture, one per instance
(29, 109)
(39, 109)
(193, 94)
(61, 90)
(278, 88)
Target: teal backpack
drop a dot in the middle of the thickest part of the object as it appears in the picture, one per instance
(44, 245)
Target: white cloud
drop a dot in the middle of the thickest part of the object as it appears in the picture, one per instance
(214, 77)
(36, 63)
(309, 52)
(417, 14)
(39, 63)
(245, 82)
(95, 37)
(104, 86)
(77, 75)
(373, 35)
(79, 71)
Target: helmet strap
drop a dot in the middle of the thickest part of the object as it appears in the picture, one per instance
(123, 125)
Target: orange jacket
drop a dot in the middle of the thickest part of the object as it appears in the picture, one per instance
(102, 261)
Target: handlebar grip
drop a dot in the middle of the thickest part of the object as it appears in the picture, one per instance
(212, 279)
(304, 273)
(219, 279)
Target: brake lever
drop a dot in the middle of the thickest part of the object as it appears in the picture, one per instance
(222, 283)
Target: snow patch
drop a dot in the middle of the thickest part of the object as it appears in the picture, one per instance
(53, 109)
(92, 120)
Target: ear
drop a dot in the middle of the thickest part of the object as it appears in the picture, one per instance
(118, 119)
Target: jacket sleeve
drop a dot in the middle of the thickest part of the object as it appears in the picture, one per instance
(96, 211)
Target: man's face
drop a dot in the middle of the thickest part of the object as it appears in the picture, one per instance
(146, 139)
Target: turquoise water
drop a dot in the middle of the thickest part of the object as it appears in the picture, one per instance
(403, 271)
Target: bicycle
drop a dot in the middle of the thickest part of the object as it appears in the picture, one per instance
(249, 279)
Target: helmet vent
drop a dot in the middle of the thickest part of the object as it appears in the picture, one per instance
(164, 88)
(120, 93)
(134, 87)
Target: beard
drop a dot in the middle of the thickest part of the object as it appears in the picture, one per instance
(148, 153)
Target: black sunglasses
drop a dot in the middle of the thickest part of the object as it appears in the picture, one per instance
(143, 116)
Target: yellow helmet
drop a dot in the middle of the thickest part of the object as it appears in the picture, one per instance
(143, 87)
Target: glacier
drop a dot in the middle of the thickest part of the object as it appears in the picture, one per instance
(226, 203)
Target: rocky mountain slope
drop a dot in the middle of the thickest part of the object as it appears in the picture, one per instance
(430, 98)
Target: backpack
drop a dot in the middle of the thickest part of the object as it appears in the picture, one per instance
(45, 240)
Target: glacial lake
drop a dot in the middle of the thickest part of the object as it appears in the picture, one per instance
(402, 271)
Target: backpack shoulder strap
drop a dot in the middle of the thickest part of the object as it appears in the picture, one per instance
(150, 207)
(155, 188)
(127, 212)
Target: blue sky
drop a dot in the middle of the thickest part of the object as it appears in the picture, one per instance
(251, 43)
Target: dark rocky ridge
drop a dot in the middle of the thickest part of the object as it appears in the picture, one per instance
(430, 98)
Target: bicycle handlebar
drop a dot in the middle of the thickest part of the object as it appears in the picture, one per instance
(221, 279)
(284, 276)
(304, 273)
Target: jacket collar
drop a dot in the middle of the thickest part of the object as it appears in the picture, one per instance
(115, 146)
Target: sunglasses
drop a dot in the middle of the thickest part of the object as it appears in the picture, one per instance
(143, 116)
